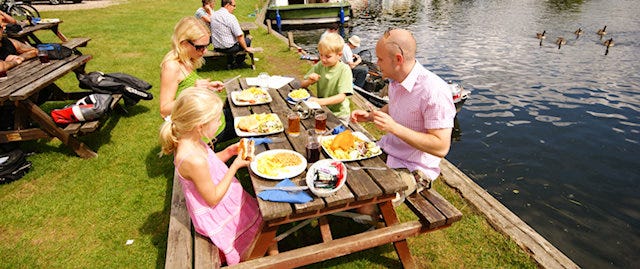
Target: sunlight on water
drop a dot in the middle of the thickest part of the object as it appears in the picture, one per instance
(552, 133)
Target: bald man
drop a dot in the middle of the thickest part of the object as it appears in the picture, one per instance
(419, 116)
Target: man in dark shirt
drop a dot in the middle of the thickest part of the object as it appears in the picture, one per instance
(14, 52)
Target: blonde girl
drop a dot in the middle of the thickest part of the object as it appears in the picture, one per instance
(218, 206)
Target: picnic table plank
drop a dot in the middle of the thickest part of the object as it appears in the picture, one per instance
(51, 76)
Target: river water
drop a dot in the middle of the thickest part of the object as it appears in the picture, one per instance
(552, 133)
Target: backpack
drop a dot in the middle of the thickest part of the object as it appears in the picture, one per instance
(132, 88)
(13, 29)
(13, 166)
(56, 51)
(88, 108)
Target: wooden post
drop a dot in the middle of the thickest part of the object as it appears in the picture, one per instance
(290, 38)
(268, 26)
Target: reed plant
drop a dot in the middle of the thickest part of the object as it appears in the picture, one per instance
(112, 211)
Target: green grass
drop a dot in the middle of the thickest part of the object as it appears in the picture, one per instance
(70, 212)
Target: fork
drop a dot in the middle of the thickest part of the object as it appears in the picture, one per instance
(355, 168)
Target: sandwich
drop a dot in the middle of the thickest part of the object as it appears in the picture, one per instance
(246, 149)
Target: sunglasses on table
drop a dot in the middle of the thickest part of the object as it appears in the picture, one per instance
(198, 47)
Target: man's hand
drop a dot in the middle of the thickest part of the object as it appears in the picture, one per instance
(383, 121)
(359, 115)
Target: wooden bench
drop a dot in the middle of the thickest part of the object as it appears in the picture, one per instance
(91, 126)
(434, 211)
(188, 249)
(216, 54)
(185, 247)
(76, 42)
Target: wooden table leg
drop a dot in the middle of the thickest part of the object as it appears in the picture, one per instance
(402, 248)
(325, 230)
(47, 125)
(266, 238)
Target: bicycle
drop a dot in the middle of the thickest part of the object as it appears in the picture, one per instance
(19, 10)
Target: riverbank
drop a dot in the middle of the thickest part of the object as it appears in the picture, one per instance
(69, 211)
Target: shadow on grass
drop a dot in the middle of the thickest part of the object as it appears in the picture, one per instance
(157, 223)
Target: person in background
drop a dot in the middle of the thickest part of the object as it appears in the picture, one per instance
(227, 36)
(219, 207)
(14, 52)
(333, 78)
(354, 61)
(189, 41)
(333, 28)
(6, 18)
(204, 13)
(418, 118)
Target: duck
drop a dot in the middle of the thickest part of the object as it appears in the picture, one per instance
(541, 36)
(602, 31)
(578, 32)
(561, 41)
(609, 42)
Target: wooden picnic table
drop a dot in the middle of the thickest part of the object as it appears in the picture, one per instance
(363, 188)
(28, 32)
(24, 83)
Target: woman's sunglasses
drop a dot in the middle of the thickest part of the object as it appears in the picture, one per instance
(198, 47)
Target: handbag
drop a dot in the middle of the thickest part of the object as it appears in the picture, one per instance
(55, 51)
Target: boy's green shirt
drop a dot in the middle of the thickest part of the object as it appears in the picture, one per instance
(334, 80)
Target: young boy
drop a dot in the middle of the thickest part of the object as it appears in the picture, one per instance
(333, 77)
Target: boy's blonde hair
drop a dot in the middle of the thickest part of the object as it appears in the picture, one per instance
(194, 107)
(331, 43)
(187, 29)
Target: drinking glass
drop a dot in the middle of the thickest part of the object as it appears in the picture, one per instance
(294, 123)
(263, 80)
(43, 56)
(321, 121)
(312, 147)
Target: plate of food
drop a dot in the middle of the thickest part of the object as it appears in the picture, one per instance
(258, 124)
(299, 95)
(278, 164)
(250, 96)
(349, 146)
(325, 177)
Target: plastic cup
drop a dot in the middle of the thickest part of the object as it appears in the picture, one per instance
(293, 120)
(321, 121)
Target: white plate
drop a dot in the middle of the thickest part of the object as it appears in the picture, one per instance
(242, 133)
(291, 171)
(311, 176)
(360, 135)
(236, 102)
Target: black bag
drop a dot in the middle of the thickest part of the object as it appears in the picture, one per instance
(56, 51)
(132, 88)
(13, 166)
(12, 28)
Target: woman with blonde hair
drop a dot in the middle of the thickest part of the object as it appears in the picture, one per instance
(189, 42)
(218, 205)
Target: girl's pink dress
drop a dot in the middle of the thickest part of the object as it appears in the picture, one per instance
(233, 223)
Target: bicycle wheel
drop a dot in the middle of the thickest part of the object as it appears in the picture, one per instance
(19, 13)
(31, 9)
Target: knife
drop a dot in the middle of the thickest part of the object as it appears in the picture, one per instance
(288, 188)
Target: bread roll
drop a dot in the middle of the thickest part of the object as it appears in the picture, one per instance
(248, 124)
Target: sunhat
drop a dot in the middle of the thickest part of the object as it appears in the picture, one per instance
(354, 40)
